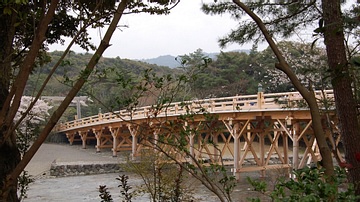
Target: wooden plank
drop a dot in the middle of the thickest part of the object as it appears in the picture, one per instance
(262, 168)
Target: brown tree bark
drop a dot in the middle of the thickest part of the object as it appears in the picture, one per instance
(341, 82)
(9, 153)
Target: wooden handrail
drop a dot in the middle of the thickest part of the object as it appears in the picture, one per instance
(259, 101)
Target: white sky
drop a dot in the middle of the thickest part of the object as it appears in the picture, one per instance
(181, 32)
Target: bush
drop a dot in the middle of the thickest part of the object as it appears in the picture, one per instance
(309, 185)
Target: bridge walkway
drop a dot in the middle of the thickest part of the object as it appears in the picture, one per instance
(220, 130)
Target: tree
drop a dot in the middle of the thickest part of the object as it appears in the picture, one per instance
(307, 61)
(31, 124)
(27, 132)
(341, 82)
(193, 66)
(286, 18)
(29, 26)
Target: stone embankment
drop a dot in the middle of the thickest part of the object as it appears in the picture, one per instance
(84, 168)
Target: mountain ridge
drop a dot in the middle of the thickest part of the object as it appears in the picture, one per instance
(170, 60)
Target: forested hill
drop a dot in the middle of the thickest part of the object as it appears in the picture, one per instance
(75, 62)
(231, 73)
(103, 85)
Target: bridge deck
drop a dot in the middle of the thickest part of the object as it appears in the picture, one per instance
(229, 123)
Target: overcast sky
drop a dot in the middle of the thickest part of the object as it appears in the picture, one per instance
(181, 32)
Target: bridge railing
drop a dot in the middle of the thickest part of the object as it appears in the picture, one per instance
(259, 101)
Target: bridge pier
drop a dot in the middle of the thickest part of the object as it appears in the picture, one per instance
(215, 139)
(251, 120)
(114, 135)
(295, 140)
(83, 136)
(70, 137)
(236, 135)
(98, 139)
(285, 139)
(191, 140)
(133, 133)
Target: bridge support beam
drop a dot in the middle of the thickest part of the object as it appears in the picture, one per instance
(98, 139)
(70, 137)
(236, 135)
(215, 138)
(285, 139)
(114, 135)
(83, 136)
(191, 141)
(262, 152)
(133, 133)
(296, 131)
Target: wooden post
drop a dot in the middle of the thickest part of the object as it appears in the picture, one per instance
(296, 132)
(285, 151)
(133, 133)
(216, 151)
(262, 152)
(98, 140)
(313, 157)
(260, 97)
(236, 136)
(191, 142)
(133, 146)
(156, 138)
(248, 127)
(70, 137)
(83, 138)
(114, 135)
(199, 145)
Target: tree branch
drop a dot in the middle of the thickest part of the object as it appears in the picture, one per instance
(25, 70)
(104, 44)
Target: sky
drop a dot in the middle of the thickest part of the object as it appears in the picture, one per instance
(183, 31)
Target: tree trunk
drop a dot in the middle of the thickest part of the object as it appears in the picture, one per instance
(9, 153)
(341, 82)
(308, 95)
(19, 167)
(9, 158)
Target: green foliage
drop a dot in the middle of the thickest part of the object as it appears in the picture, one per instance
(220, 174)
(163, 181)
(309, 184)
(24, 181)
(280, 17)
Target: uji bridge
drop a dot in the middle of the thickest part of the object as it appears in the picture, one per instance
(273, 130)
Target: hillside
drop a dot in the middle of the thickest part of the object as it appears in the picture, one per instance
(104, 84)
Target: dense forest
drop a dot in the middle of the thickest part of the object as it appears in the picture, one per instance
(229, 74)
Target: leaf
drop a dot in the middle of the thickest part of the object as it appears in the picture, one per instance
(355, 61)
(313, 43)
(319, 30)
(7, 11)
(321, 23)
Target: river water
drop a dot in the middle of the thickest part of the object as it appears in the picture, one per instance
(85, 188)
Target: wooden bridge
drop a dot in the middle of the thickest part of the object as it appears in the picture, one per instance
(251, 132)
